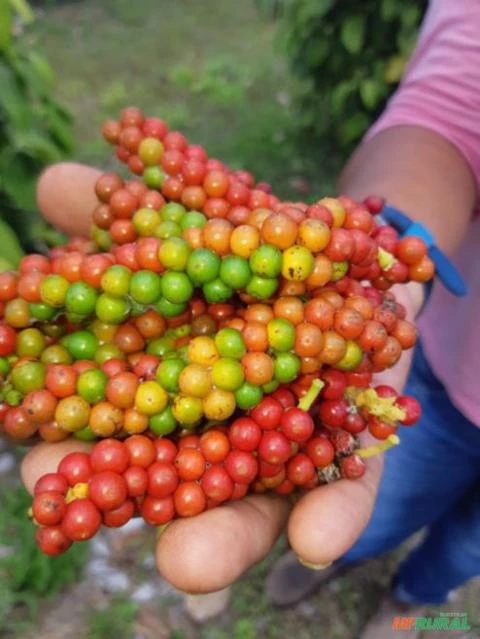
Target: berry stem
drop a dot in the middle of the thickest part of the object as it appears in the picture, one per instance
(313, 392)
(371, 451)
(385, 259)
(79, 491)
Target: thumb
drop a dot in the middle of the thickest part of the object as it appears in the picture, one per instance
(327, 521)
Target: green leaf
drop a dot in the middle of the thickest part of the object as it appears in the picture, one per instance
(339, 96)
(389, 9)
(5, 26)
(353, 128)
(410, 16)
(13, 103)
(371, 92)
(36, 145)
(18, 178)
(10, 249)
(23, 9)
(352, 34)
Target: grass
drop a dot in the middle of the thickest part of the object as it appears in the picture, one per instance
(27, 577)
(115, 621)
(209, 68)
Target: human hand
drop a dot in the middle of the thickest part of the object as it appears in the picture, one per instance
(210, 551)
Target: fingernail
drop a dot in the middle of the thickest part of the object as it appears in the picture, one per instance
(161, 530)
(307, 564)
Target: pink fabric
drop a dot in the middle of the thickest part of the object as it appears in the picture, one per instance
(441, 91)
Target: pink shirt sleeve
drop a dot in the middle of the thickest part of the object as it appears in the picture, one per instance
(441, 87)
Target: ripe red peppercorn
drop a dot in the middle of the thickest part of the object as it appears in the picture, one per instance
(76, 468)
(52, 540)
(109, 454)
(49, 508)
(297, 425)
(107, 490)
(81, 521)
(162, 479)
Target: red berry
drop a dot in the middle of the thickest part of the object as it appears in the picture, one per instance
(300, 470)
(321, 451)
(374, 204)
(119, 516)
(215, 446)
(265, 469)
(81, 521)
(49, 508)
(189, 499)
(51, 482)
(412, 408)
(217, 484)
(137, 481)
(52, 541)
(335, 384)
(285, 397)
(165, 449)
(268, 413)
(385, 391)
(380, 429)
(274, 447)
(245, 434)
(157, 512)
(76, 468)
(241, 466)
(109, 454)
(107, 490)
(141, 450)
(162, 479)
(297, 425)
(354, 423)
(352, 467)
(333, 412)
(8, 340)
(190, 464)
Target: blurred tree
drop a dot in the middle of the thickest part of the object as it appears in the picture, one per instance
(34, 131)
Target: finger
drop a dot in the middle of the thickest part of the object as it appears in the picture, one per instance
(45, 458)
(66, 196)
(210, 551)
(326, 522)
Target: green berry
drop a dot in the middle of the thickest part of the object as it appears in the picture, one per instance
(164, 423)
(266, 261)
(248, 396)
(176, 287)
(145, 287)
(81, 298)
(203, 266)
(91, 385)
(116, 280)
(112, 310)
(235, 272)
(229, 343)
(81, 344)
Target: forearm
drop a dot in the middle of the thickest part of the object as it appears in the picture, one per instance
(420, 173)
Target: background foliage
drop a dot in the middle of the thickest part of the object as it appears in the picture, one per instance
(352, 56)
(34, 131)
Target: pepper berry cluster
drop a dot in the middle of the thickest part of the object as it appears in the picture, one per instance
(197, 315)
(278, 446)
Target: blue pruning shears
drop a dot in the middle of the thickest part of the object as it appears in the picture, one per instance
(445, 270)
